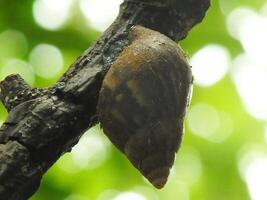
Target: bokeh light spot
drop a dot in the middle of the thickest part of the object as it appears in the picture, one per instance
(47, 60)
(250, 28)
(13, 44)
(251, 80)
(210, 64)
(237, 18)
(177, 189)
(253, 38)
(188, 166)
(91, 151)
(101, 13)
(16, 66)
(205, 121)
(130, 196)
(226, 128)
(66, 164)
(51, 14)
(253, 167)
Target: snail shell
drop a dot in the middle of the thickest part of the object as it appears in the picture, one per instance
(143, 101)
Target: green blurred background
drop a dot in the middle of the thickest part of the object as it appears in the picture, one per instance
(223, 155)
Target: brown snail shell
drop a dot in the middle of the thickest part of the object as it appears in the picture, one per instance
(143, 101)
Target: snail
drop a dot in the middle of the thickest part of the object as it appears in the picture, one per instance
(143, 101)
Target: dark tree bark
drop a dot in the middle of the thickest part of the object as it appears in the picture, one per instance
(43, 124)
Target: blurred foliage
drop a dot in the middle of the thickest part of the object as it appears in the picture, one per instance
(204, 170)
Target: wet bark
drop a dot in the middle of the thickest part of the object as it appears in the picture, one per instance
(43, 124)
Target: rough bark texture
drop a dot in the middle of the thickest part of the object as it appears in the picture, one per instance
(43, 124)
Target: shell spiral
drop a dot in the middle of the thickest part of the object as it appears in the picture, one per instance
(143, 101)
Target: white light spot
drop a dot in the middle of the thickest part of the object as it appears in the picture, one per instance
(205, 121)
(101, 13)
(237, 18)
(210, 64)
(251, 82)
(253, 170)
(13, 44)
(130, 196)
(51, 14)
(16, 66)
(253, 38)
(250, 28)
(66, 164)
(91, 151)
(177, 189)
(188, 166)
(47, 60)
(225, 130)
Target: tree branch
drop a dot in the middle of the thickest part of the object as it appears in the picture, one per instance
(43, 124)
